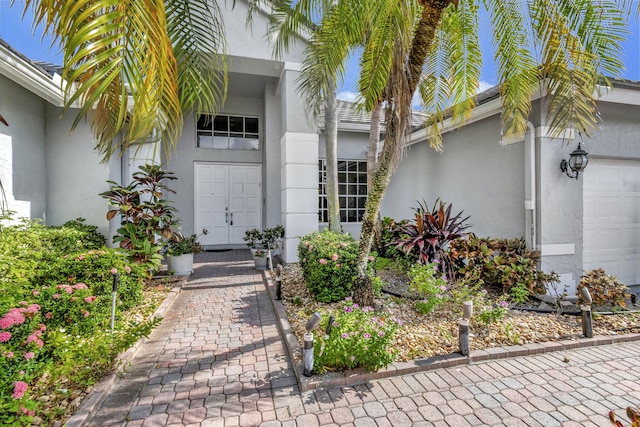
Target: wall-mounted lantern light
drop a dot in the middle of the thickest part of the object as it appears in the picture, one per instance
(578, 160)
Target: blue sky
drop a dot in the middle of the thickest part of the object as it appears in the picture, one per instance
(18, 33)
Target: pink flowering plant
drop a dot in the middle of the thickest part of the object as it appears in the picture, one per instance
(22, 338)
(73, 307)
(55, 287)
(328, 261)
(428, 282)
(359, 338)
(93, 268)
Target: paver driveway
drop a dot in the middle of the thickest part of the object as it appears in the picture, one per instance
(218, 360)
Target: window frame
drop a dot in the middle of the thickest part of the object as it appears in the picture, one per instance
(350, 204)
(244, 135)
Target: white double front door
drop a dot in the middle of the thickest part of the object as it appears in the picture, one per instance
(227, 201)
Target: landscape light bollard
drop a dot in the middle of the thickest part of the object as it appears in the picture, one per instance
(279, 282)
(585, 313)
(463, 328)
(467, 306)
(113, 300)
(329, 326)
(308, 344)
(278, 288)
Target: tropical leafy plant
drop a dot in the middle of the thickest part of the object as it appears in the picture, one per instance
(503, 263)
(429, 234)
(604, 288)
(179, 244)
(145, 216)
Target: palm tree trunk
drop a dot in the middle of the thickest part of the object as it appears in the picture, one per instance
(372, 163)
(398, 111)
(331, 147)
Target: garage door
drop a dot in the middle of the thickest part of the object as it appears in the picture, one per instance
(612, 218)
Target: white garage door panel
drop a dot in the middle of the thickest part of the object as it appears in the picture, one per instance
(611, 205)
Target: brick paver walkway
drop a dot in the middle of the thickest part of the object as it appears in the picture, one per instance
(217, 359)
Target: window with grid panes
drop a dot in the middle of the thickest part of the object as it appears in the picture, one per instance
(228, 132)
(352, 190)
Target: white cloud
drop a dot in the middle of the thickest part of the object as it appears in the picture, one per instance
(484, 86)
(347, 96)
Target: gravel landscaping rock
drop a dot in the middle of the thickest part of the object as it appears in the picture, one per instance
(436, 333)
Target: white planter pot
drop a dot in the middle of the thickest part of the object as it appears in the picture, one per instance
(260, 262)
(181, 264)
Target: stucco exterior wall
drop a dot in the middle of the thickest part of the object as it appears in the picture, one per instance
(245, 42)
(473, 172)
(75, 175)
(561, 213)
(22, 150)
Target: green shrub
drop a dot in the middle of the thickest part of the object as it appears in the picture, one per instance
(52, 325)
(95, 269)
(73, 308)
(430, 284)
(28, 248)
(328, 261)
(359, 339)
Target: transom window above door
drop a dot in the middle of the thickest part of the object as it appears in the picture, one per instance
(228, 132)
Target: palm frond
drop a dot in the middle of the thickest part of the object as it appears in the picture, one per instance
(435, 86)
(461, 25)
(116, 52)
(328, 49)
(517, 70)
(569, 70)
(289, 21)
(197, 32)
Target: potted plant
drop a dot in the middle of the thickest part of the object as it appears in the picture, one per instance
(179, 250)
(254, 239)
(273, 239)
(260, 259)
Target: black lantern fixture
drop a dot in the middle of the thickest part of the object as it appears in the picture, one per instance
(578, 160)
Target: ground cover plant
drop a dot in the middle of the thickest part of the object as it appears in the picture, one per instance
(55, 307)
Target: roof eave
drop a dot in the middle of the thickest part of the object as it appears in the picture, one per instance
(30, 77)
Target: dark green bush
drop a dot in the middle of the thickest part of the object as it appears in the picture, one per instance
(328, 261)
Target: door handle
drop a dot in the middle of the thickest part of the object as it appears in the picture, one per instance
(226, 217)
(231, 218)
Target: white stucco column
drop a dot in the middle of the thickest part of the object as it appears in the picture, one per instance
(559, 211)
(299, 193)
(299, 165)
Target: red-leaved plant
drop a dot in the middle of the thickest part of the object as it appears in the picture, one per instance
(429, 234)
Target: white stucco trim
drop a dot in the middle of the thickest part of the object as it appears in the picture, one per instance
(545, 132)
(558, 249)
(29, 77)
(618, 95)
